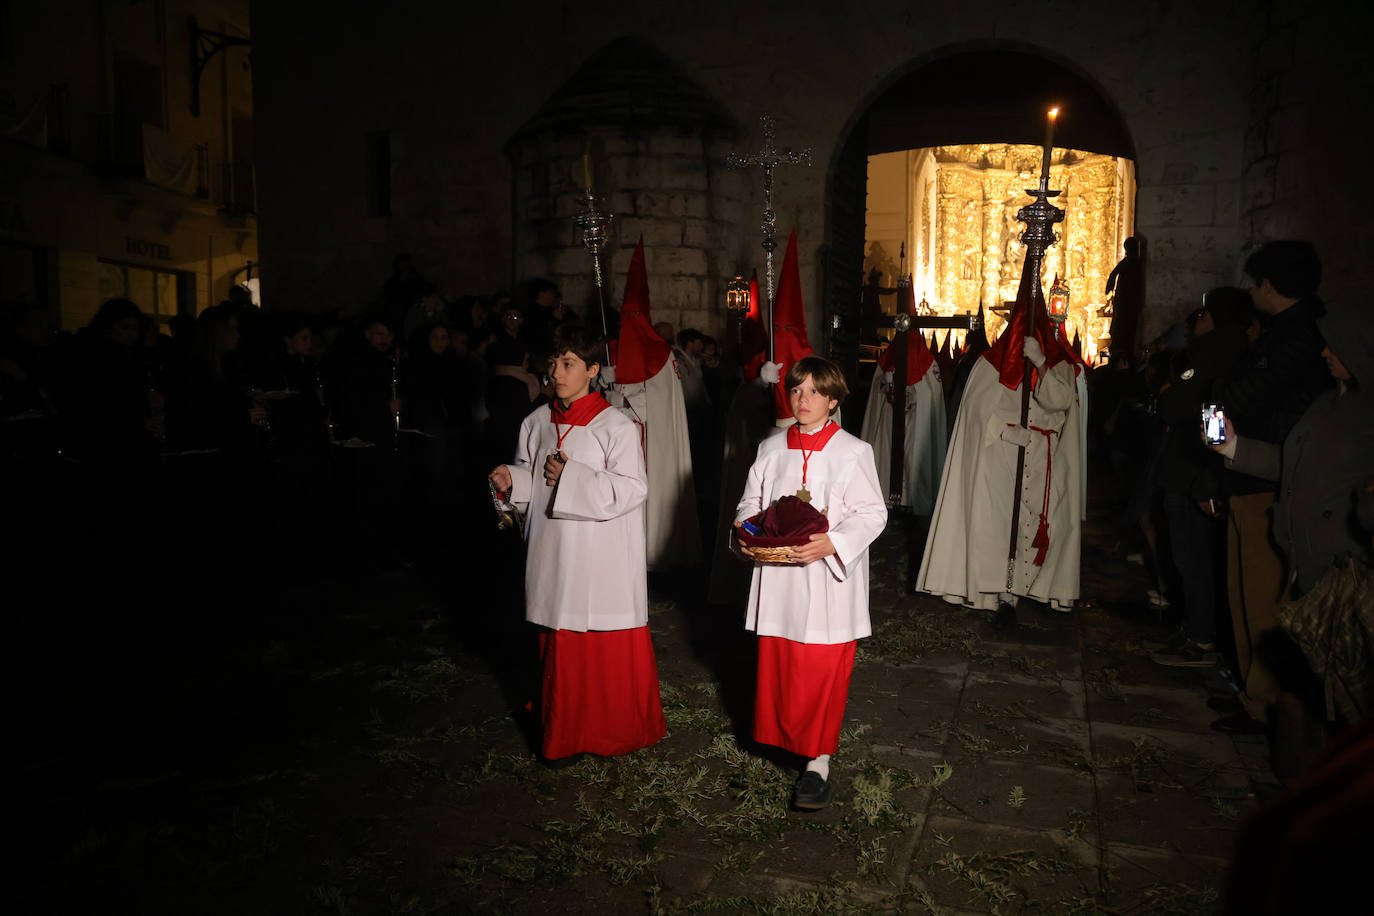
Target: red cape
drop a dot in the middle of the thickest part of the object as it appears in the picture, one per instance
(640, 353)
(1006, 354)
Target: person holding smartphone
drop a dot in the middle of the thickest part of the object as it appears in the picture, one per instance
(1324, 470)
(1190, 475)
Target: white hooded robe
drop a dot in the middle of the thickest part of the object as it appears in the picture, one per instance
(965, 559)
(924, 443)
(659, 412)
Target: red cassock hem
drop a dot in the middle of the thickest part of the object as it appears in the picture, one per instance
(599, 693)
(802, 690)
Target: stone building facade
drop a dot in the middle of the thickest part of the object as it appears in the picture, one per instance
(1229, 110)
(109, 184)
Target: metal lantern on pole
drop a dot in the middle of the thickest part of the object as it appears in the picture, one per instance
(1059, 301)
(737, 303)
(737, 297)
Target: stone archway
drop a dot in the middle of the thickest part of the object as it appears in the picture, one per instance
(967, 94)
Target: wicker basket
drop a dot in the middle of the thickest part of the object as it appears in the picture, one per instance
(774, 556)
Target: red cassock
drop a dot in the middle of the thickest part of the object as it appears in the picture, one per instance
(802, 690)
(599, 692)
(585, 580)
(810, 617)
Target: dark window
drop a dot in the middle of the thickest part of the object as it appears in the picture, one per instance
(379, 173)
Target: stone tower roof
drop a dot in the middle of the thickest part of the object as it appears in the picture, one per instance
(629, 83)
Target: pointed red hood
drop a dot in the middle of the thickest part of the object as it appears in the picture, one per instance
(753, 337)
(918, 355)
(789, 327)
(639, 353)
(1005, 355)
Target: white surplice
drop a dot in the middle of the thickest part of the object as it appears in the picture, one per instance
(658, 410)
(586, 567)
(825, 601)
(924, 443)
(965, 558)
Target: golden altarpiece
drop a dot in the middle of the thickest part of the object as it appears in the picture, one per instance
(955, 208)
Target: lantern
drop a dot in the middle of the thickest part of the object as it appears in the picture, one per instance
(737, 297)
(1059, 301)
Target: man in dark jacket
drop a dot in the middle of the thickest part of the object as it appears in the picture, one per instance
(1190, 476)
(1324, 469)
(1276, 381)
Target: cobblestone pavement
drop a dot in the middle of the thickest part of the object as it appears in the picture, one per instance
(364, 749)
(1052, 767)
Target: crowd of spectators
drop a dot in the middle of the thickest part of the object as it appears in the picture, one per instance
(287, 447)
(1260, 545)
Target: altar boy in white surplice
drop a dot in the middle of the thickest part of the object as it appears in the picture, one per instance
(579, 475)
(809, 617)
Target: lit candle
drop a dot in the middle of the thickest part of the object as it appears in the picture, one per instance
(1049, 145)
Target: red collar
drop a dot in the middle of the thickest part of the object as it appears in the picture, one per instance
(812, 442)
(579, 412)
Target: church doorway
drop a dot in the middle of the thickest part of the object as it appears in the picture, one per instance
(930, 179)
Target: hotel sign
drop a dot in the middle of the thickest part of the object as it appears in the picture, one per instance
(148, 249)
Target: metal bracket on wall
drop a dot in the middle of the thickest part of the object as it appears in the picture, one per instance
(205, 45)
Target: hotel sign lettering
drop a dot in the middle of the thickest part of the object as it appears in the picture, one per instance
(147, 249)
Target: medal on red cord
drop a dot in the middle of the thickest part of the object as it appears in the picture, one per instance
(797, 439)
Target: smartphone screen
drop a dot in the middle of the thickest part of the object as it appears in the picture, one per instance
(1214, 423)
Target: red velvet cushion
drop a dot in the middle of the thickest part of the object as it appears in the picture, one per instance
(789, 522)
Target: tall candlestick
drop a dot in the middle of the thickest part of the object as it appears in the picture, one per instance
(1049, 145)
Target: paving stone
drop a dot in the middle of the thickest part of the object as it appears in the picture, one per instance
(1062, 742)
(1187, 884)
(1043, 662)
(1180, 709)
(1201, 821)
(902, 714)
(981, 790)
(1018, 697)
(1159, 756)
(1021, 866)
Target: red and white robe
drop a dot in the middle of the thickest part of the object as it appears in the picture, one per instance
(809, 617)
(585, 579)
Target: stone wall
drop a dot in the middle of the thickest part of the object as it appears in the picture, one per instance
(670, 189)
(1180, 76)
(1310, 88)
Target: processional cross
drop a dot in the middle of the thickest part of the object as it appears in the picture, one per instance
(768, 159)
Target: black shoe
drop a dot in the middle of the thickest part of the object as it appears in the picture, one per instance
(811, 792)
(1005, 618)
(561, 763)
(1240, 723)
(1190, 655)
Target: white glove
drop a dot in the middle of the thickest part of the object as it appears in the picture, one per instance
(770, 373)
(606, 376)
(1017, 435)
(1033, 352)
